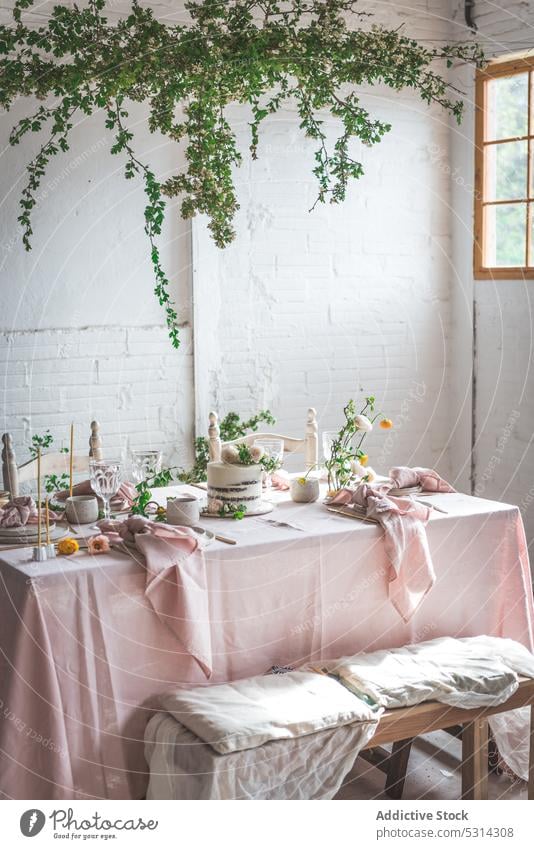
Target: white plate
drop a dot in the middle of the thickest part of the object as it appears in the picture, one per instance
(204, 537)
(265, 507)
(29, 536)
(405, 490)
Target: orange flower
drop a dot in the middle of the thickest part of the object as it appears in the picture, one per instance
(386, 424)
(67, 546)
(364, 459)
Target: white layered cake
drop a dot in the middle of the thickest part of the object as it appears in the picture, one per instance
(234, 484)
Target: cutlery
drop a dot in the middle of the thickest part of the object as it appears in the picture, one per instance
(351, 515)
(279, 524)
(227, 540)
(435, 506)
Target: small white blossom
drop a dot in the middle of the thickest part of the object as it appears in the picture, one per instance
(230, 454)
(256, 452)
(357, 468)
(363, 423)
(214, 505)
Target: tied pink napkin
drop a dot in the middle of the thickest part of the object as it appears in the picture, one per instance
(176, 584)
(21, 511)
(121, 501)
(280, 481)
(411, 573)
(428, 479)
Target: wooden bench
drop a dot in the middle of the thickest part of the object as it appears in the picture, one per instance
(402, 725)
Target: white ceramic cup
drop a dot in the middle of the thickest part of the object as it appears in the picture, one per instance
(81, 509)
(304, 490)
(183, 510)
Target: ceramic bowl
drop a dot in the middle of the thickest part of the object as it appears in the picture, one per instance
(304, 490)
(81, 509)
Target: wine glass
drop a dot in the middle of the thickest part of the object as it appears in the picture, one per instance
(273, 449)
(329, 436)
(105, 476)
(145, 464)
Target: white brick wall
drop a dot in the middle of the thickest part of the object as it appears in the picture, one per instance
(130, 379)
(314, 308)
(81, 334)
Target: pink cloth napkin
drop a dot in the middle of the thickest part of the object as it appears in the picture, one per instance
(176, 584)
(411, 573)
(21, 511)
(428, 479)
(121, 501)
(280, 481)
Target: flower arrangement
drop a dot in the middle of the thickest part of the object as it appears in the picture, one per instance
(229, 511)
(241, 454)
(347, 460)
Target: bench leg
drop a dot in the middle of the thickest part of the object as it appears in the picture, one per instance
(475, 760)
(397, 768)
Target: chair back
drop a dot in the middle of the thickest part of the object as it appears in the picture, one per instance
(51, 464)
(307, 445)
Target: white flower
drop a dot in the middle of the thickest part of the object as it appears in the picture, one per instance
(230, 454)
(214, 505)
(357, 468)
(256, 452)
(363, 423)
(370, 474)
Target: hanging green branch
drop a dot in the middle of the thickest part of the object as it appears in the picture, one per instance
(262, 53)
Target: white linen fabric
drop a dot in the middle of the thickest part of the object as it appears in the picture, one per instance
(301, 768)
(468, 672)
(245, 714)
(274, 727)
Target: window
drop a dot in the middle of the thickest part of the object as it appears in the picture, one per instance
(504, 170)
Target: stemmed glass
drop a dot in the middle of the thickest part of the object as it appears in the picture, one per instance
(328, 438)
(145, 464)
(105, 476)
(273, 449)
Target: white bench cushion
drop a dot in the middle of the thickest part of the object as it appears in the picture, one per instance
(468, 672)
(245, 714)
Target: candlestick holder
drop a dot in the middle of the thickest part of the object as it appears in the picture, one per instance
(50, 550)
(39, 553)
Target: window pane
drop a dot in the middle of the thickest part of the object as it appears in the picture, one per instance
(507, 107)
(506, 171)
(505, 235)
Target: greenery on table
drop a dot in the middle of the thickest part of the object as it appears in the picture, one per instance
(232, 511)
(231, 427)
(144, 492)
(346, 448)
(52, 483)
(261, 53)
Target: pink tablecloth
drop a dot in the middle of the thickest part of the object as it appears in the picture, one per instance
(83, 656)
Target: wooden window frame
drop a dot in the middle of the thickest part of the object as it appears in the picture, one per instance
(494, 70)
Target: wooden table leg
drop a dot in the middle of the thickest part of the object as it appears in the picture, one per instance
(475, 760)
(397, 768)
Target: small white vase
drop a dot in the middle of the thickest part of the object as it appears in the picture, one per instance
(304, 491)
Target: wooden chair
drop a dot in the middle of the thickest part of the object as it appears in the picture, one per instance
(51, 464)
(308, 445)
(402, 725)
